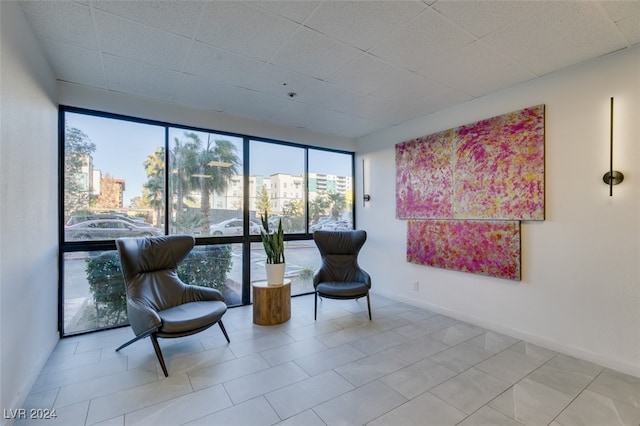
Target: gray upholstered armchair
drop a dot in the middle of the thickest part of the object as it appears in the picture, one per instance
(159, 304)
(339, 276)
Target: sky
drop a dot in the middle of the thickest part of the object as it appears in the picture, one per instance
(122, 147)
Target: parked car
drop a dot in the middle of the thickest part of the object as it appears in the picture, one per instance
(107, 229)
(232, 227)
(83, 218)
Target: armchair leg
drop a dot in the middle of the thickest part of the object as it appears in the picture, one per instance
(369, 306)
(315, 307)
(224, 331)
(135, 339)
(156, 346)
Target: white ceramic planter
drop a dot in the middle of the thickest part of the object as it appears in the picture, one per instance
(275, 273)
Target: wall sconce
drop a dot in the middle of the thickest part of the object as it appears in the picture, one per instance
(366, 197)
(612, 177)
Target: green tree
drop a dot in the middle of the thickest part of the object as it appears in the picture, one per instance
(338, 204)
(263, 202)
(77, 159)
(154, 189)
(209, 165)
(318, 207)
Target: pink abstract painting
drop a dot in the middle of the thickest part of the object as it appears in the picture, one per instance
(424, 172)
(491, 169)
(481, 247)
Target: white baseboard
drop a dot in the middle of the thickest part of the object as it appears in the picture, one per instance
(575, 351)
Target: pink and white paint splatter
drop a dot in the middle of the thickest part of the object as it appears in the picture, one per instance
(476, 246)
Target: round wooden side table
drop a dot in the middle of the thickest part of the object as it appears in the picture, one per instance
(271, 303)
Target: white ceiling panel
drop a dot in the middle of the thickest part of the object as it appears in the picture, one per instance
(381, 110)
(171, 16)
(563, 33)
(355, 66)
(132, 40)
(75, 64)
(491, 71)
(297, 11)
(368, 73)
(127, 76)
(255, 105)
(424, 40)
(65, 22)
(243, 28)
(204, 93)
(331, 96)
(621, 10)
(217, 64)
(280, 82)
(484, 17)
(362, 24)
(630, 28)
(314, 54)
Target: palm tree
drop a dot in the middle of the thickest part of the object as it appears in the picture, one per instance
(155, 185)
(338, 204)
(218, 163)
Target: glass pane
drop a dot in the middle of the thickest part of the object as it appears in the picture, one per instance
(277, 186)
(205, 183)
(113, 178)
(330, 190)
(302, 260)
(94, 293)
(94, 290)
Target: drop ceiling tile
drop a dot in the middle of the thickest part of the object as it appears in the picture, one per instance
(314, 54)
(426, 105)
(368, 74)
(362, 24)
(75, 64)
(210, 62)
(296, 114)
(381, 110)
(132, 77)
(424, 39)
(65, 22)
(297, 11)
(560, 35)
(256, 105)
(244, 29)
(491, 71)
(280, 82)
(132, 40)
(331, 96)
(333, 122)
(630, 28)
(620, 10)
(484, 17)
(202, 92)
(411, 85)
(175, 17)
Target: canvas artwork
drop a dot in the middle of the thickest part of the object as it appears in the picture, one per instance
(480, 247)
(466, 189)
(491, 169)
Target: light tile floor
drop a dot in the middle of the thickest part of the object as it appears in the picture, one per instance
(408, 366)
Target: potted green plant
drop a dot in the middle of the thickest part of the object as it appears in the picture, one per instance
(273, 242)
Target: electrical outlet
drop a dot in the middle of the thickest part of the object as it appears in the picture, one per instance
(416, 286)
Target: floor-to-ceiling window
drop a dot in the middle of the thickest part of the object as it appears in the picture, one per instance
(122, 176)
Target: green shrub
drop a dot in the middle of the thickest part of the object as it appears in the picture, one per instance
(205, 266)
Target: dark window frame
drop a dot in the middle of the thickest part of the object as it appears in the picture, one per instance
(246, 239)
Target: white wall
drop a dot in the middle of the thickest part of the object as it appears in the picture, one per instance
(117, 103)
(28, 209)
(580, 288)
